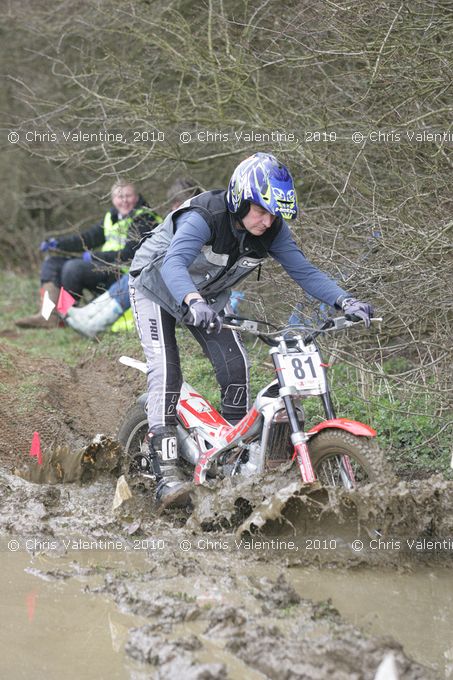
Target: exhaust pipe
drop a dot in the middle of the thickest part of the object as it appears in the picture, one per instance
(188, 448)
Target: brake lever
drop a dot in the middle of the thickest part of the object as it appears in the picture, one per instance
(246, 325)
(348, 320)
(340, 322)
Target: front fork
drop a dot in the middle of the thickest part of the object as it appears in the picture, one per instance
(298, 437)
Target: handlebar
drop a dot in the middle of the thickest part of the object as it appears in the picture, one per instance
(274, 338)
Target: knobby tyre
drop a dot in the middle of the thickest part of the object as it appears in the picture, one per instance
(132, 431)
(366, 458)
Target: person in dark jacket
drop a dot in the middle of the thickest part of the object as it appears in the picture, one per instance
(103, 311)
(106, 249)
(185, 272)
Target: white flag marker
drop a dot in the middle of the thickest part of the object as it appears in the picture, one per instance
(122, 492)
(47, 306)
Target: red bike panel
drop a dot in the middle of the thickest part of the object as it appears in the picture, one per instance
(201, 409)
(229, 434)
(199, 474)
(352, 426)
(243, 425)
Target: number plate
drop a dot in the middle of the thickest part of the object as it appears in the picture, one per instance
(303, 370)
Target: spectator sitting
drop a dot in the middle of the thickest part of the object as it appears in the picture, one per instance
(115, 237)
(102, 312)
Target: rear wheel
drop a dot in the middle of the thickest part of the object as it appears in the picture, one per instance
(131, 436)
(337, 453)
(132, 432)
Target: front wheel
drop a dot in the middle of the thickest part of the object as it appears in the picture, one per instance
(343, 459)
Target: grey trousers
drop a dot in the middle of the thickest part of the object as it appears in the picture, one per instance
(226, 352)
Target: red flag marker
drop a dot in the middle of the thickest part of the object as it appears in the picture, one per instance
(65, 302)
(35, 449)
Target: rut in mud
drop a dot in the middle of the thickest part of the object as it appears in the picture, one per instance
(203, 592)
(274, 504)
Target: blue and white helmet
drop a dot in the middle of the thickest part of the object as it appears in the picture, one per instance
(263, 180)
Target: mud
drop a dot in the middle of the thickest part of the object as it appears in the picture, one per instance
(308, 642)
(63, 465)
(218, 591)
(201, 620)
(209, 585)
(65, 404)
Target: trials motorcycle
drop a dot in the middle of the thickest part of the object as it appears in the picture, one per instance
(335, 451)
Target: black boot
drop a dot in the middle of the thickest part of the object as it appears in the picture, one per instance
(163, 453)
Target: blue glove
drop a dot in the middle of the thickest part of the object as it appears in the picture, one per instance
(203, 316)
(50, 244)
(87, 257)
(360, 310)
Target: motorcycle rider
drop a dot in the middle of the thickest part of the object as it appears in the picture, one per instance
(185, 272)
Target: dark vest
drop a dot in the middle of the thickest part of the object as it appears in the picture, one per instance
(230, 255)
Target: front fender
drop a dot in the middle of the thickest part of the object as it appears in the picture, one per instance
(352, 426)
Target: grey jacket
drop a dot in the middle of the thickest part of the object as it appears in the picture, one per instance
(227, 258)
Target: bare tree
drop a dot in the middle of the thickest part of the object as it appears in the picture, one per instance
(296, 79)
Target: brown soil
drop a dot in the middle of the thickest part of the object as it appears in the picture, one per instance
(65, 405)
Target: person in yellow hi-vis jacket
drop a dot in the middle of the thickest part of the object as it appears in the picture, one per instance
(105, 251)
(114, 305)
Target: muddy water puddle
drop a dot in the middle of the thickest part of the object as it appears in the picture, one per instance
(58, 622)
(51, 629)
(199, 606)
(415, 608)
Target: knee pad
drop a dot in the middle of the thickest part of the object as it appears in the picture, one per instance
(235, 396)
(72, 275)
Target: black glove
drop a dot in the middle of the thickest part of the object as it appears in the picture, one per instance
(361, 310)
(203, 316)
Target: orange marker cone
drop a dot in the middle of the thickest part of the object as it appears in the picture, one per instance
(35, 449)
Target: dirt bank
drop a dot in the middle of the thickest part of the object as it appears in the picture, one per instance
(67, 405)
